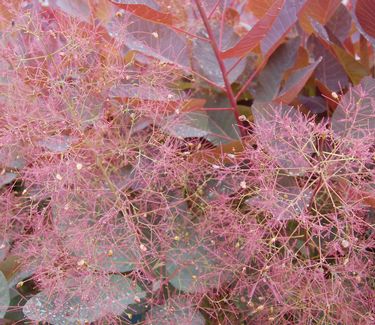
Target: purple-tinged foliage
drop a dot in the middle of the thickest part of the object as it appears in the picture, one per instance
(187, 162)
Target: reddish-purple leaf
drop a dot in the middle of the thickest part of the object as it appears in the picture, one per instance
(330, 72)
(340, 23)
(286, 201)
(11, 157)
(285, 134)
(286, 19)
(146, 9)
(215, 6)
(75, 8)
(296, 82)
(358, 27)
(365, 13)
(216, 127)
(319, 10)
(259, 7)
(355, 70)
(204, 60)
(154, 40)
(7, 178)
(142, 92)
(175, 312)
(4, 247)
(320, 31)
(57, 143)
(268, 83)
(354, 117)
(256, 34)
(315, 104)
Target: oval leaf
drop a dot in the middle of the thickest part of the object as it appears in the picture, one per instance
(204, 60)
(75, 8)
(191, 267)
(286, 201)
(329, 72)
(4, 295)
(4, 248)
(154, 40)
(285, 134)
(365, 13)
(286, 19)
(320, 10)
(270, 78)
(112, 299)
(296, 82)
(354, 117)
(7, 178)
(146, 9)
(251, 40)
(217, 127)
(175, 313)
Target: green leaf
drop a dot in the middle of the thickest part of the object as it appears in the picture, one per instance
(112, 298)
(14, 314)
(108, 257)
(4, 295)
(20, 275)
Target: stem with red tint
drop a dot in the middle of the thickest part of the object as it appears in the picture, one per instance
(251, 78)
(223, 70)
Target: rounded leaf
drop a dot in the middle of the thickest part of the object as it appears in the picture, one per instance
(4, 248)
(4, 295)
(205, 62)
(354, 117)
(174, 313)
(111, 299)
(192, 266)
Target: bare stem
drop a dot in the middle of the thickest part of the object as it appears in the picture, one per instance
(223, 70)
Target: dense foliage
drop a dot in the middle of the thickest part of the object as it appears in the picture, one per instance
(187, 162)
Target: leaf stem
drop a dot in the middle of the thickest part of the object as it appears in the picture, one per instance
(216, 50)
